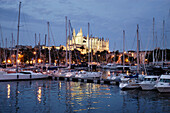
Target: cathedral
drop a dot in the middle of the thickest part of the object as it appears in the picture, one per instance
(82, 44)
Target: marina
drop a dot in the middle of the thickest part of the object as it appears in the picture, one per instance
(117, 62)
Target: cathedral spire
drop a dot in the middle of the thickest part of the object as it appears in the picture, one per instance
(74, 33)
(81, 31)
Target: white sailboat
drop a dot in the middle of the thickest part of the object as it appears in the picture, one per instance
(23, 75)
(131, 82)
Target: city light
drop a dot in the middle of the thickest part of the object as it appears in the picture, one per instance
(9, 61)
(18, 60)
(132, 54)
(27, 62)
(39, 60)
(20, 56)
(126, 60)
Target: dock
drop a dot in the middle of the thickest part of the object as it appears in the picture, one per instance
(85, 80)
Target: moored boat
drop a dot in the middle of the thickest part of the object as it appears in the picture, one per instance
(85, 74)
(23, 75)
(163, 84)
(149, 82)
(129, 82)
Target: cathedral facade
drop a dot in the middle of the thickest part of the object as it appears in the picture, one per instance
(83, 43)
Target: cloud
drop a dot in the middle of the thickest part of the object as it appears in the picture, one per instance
(107, 18)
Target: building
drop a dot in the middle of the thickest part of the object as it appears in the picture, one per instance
(82, 44)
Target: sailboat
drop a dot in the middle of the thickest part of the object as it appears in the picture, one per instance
(23, 75)
(131, 82)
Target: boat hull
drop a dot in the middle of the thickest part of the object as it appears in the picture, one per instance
(164, 89)
(129, 86)
(10, 77)
(148, 86)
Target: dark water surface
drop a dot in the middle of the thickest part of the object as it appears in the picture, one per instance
(68, 97)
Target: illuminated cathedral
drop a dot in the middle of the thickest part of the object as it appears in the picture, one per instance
(82, 44)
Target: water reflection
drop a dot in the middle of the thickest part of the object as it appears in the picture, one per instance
(62, 96)
(39, 94)
(8, 90)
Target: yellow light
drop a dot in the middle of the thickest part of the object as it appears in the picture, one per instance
(39, 60)
(9, 90)
(146, 60)
(127, 72)
(132, 54)
(4, 61)
(39, 94)
(27, 62)
(30, 62)
(20, 56)
(34, 52)
(18, 61)
(33, 61)
(126, 60)
(9, 61)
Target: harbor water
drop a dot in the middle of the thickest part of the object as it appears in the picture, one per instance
(68, 97)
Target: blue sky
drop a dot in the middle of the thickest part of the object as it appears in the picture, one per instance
(107, 18)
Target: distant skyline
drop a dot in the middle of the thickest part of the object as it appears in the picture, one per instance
(107, 19)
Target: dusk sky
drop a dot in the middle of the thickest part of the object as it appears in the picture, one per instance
(107, 18)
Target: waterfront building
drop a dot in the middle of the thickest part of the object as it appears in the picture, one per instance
(81, 43)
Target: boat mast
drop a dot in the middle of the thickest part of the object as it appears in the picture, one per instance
(40, 47)
(66, 41)
(35, 49)
(12, 49)
(49, 43)
(0, 53)
(153, 41)
(18, 37)
(6, 53)
(35, 39)
(88, 48)
(2, 42)
(44, 58)
(156, 57)
(115, 52)
(163, 43)
(137, 48)
(69, 47)
(91, 54)
(165, 47)
(123, 49)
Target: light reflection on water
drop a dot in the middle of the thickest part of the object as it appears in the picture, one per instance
(60, 96)
(8, 90)
(39, 94)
